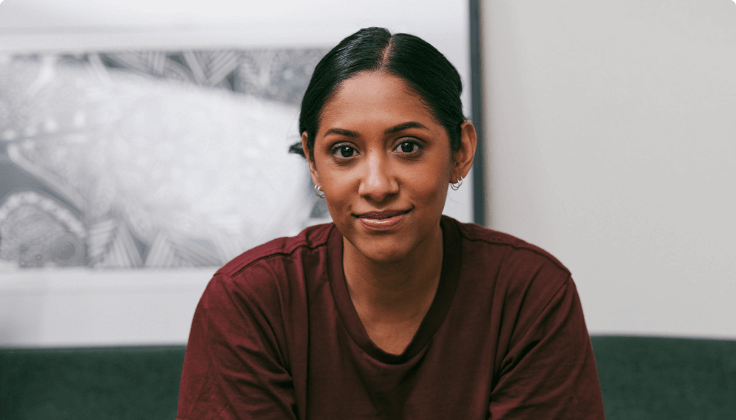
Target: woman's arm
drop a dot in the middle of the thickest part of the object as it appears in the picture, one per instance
(549, 370)
(234, 366)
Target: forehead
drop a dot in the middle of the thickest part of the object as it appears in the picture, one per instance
(374, 97)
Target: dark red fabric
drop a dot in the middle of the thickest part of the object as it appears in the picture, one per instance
(275, 336)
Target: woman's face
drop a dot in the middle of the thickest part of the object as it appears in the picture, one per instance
(384, 165)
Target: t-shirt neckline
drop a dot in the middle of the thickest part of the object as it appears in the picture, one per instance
(436, 314)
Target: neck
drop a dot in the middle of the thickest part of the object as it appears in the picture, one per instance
(397, 291)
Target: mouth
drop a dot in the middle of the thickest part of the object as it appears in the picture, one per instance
(385, 214)
(381, 220)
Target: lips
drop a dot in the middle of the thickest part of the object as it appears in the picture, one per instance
(381, 220)
(385, 214)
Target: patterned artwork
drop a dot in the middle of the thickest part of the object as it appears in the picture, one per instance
(150, 158)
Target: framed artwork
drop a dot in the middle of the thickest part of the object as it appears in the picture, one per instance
(167, 159)
(144, 145)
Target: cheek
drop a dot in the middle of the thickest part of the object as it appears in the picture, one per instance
(432, 181)
(425, 185)
(340, 189)
(438, 195)
(428, 193)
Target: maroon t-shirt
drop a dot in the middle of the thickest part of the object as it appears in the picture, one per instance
(275, 336)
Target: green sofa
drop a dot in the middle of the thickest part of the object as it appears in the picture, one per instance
(641, 378)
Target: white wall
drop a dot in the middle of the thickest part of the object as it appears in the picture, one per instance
(612, 144)
(79, 307)
(87, 307)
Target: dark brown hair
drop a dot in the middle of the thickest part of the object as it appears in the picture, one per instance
(419, 64)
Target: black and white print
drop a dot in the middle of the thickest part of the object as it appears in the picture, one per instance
(150, 158)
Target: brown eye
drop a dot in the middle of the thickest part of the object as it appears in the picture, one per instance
(346, 151)
(407, 147)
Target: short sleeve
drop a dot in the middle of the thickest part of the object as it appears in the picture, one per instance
(549, 369)
(235, 367)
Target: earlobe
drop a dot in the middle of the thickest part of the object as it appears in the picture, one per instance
(465, 154)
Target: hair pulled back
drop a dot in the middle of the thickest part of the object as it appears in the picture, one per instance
(425, 70)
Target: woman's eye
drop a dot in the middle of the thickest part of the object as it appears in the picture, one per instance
(408, 147)
(344, 151)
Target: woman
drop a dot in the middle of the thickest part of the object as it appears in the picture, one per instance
(393, 311)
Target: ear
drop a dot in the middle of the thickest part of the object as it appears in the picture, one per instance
(463, 157)
(312, 167)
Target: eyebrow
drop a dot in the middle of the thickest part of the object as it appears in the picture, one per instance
(404, 126)
(341, 132)
(392, 130)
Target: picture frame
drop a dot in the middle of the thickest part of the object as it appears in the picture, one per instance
(104, 297)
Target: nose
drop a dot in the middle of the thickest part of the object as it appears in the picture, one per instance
(377, 183)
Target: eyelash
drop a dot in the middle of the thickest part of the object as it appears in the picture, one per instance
(416, 144)
(336, 149)
(417, 148)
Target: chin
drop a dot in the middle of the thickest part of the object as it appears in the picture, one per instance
(385, 258)
(382, 251)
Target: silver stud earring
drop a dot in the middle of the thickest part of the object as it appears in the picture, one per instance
(318, 192)
(456, 185)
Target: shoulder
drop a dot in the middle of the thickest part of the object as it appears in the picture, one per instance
(505, 265)
(279, 249)
(499, 243)
(270, 273)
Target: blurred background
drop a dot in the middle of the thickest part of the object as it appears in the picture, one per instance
(143, 144)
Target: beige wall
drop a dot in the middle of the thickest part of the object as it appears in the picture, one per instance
(611, 129)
